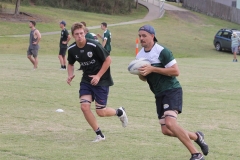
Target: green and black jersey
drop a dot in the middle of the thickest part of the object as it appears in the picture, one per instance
(91, 58)
(64, 37)
(89, 36)
(161, 57)
(107, 36)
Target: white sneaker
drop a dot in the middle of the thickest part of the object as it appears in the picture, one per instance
(99, 138)
(123, 118)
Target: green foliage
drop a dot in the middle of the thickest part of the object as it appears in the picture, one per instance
(98, 6)
(2, 6)
(26, 2)
(50, 17)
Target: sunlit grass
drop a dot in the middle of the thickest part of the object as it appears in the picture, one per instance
(31, 129)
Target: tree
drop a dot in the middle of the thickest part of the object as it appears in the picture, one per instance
(129, 6)
(17, 7)
(136, 6)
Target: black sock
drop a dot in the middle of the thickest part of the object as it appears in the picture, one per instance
(62, 66)
(119, 112)
(99, 132)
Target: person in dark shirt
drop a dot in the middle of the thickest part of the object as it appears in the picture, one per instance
(64, 39)
(96, 78)
(87, 34)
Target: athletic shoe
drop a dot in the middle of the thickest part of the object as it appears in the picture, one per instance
(200, 141)
(123, 118)
(197, 157)
(99, 138)
(62, 69)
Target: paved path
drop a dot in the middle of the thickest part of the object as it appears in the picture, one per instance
(154, 12)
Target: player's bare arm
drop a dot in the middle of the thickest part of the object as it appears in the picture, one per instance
(68, 39)
(142, 78)
(38, 36)
(99, 36)
(70, 69)
(171, 71)
(104, 42)
(105, 66)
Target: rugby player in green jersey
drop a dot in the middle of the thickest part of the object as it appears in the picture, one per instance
(161, 77)
(106, 38)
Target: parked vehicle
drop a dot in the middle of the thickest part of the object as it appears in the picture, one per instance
(181, 1)
(222, 39)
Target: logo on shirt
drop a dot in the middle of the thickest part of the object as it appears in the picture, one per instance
(81, 51)
(90, 54)
(88, 63)
(76, 56)
(165, 106)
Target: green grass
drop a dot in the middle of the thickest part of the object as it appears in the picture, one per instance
(50, 18)
(31, 129)
(174, 3)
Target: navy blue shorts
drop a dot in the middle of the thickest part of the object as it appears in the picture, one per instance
(99, 93)
(169, 100)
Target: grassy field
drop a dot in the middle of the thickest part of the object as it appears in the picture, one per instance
(31, 129)
(48, 18)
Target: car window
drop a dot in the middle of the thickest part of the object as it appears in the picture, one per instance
(219, 33)
(226, 34)
(229, 35)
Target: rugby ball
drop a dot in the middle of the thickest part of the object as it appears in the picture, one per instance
(135, 64)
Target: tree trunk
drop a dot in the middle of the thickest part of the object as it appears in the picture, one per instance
(129, 6)
(62, 3)
(17, 7)
(115, 6)
(136, 4)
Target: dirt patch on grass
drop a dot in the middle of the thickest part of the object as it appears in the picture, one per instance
(185, 16)
(23, 17)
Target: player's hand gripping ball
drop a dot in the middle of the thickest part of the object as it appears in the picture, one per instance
(136, 64)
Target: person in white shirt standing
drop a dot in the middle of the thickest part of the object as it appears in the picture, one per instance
(235, 43)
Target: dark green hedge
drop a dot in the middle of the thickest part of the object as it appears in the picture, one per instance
(98, 6)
